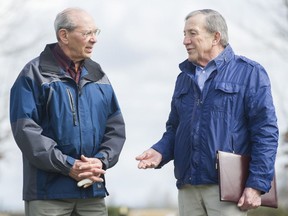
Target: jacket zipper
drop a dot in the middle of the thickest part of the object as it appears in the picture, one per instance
(197, 102)
(48, 102)
(72, 106)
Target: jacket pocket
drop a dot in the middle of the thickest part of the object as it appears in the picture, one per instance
(229, 88)
(225, 97)
(72, 106)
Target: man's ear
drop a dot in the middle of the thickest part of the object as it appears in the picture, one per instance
(63, 35)
(217, 37)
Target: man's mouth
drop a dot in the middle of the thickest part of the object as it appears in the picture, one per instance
(189, 50)
(89, 49)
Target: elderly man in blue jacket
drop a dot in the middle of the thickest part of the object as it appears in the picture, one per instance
(222, 102)
(67, 122)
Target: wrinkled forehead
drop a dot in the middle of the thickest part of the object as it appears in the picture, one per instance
(83, 19)
(196, 22)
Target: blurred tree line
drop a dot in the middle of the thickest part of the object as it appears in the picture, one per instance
(12, 14)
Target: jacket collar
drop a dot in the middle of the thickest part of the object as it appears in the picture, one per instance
(48, 64)
(220, 61)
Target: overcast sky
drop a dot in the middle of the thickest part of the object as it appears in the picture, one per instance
(139, 48)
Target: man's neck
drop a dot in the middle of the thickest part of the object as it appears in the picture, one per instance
(67, 52)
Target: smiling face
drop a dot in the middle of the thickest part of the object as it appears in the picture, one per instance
(198, 41)
(78, 43)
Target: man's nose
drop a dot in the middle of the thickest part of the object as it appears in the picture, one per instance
(186, 40)
(93, 38)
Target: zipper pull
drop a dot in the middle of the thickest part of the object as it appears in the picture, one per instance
(72, 106)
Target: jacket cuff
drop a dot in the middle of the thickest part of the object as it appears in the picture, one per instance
(103, 157)
(70, 160)
(258, 183)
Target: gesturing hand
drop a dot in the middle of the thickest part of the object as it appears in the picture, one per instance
(149, 159)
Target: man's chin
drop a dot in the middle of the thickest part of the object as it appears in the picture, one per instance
(88, 55)
(192, 59)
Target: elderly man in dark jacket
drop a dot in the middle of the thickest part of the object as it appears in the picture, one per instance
(67, 122)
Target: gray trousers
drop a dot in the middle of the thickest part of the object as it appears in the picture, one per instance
(204, 201)
(66, 207)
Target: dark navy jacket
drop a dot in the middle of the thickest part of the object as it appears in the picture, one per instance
(233, 113)
(54, 121)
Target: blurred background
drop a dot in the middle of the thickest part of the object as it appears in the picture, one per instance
(139, 48)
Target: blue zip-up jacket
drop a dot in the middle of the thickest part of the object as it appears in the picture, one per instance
(54, 121)
(233, 113)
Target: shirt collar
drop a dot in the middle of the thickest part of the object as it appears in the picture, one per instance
(209, 68)
(64, 61)
(215, 63)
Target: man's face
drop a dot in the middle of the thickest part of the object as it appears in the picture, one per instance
(197, 40)
(82, 39)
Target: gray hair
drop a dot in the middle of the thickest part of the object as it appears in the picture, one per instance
(64, 21)
(215, 22)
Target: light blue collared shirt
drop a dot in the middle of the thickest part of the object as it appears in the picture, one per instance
(202, 74)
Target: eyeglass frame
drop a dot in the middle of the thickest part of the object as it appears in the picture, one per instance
(88, 33)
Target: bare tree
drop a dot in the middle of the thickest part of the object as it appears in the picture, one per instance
(286, 5)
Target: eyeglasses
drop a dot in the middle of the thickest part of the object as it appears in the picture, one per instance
(89, 34)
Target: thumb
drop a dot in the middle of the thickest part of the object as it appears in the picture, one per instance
(241, 201)
(143, 156)
(83, 158)
(140, 157)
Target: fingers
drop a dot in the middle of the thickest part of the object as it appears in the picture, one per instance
(89, 166)
(88, 163)
(92, 172)
(250, 199)
(149, 159)
(145, 164)
(87, 171)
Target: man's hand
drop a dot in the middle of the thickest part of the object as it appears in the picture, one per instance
(91, 168)
(87, 168)
(74, 171)
(250, 199)
(149, 159)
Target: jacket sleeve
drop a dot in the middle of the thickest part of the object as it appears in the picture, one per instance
(263, 130)
(114, 135)
(165, 146)
(25, 118)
